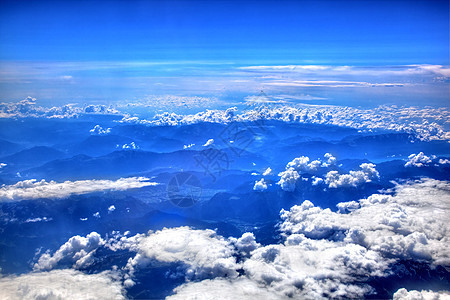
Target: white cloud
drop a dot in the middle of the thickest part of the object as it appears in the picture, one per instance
(323, 70)
(316, 180)
(303, 163)
(314, 269)
(260, 185)
(331, 160)
(32, 189)
(246, 243)
(421, 160)
(77, 250)
(111, 209)
(203, 253)
(391, 118)
(2, 165)
(267, 172)
(130, 146)
(444, 161)
(61, 284)
(288, 179)
(354, 178)
(188, 146)
(404, 294)
(412, 224)
(164, 101)
(34, 220)
(27, 108)
(208, 143)
(99, 130)
(226, 289)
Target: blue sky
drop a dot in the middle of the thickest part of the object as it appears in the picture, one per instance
(84, 51)
(356, 32)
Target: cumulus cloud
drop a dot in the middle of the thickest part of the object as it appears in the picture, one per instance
(421, 160)
(246, 243)
(331, 160)
(288, 179)
(267, 172)
(2, 165)
(77, 251)
(203, 253)
(226, 289)
(412, 224)
(209, 143)
(260, 185)
(392, 118)
(99, 130)
(61, 284)
(404, 294)
(303, 163)
(130, 146)
(111, 209)
(28, 108)
(33, 189)
(304, 268)
(353, 178)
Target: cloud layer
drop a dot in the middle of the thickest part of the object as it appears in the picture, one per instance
(390, 118)
(32, 189)
(61, 284)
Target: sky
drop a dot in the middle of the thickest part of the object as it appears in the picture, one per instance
(110, 47)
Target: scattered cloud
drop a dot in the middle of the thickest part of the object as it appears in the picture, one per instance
(33, 189)
(421, 160)
(324, 254)
(368, 173)
(188, 146)
(288, 179)
(99, 130)
(267, 172)
(111, 209)
(209, 143)
(404, 294)
(130, 146)
(77, 251)
(260, 185)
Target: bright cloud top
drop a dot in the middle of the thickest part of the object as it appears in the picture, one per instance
(353, 178)
(412, 224)
(77, 250)
(61, 284)
(333, 179)
(202, 252)
(391, 118)
(324, 254)
(28, 109)
(33, 189)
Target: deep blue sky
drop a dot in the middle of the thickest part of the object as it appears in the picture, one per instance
(315, 32)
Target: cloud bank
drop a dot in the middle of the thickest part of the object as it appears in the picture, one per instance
(28, 108)
(385, 118)
(61, 284)
(33, 189)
